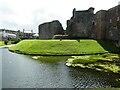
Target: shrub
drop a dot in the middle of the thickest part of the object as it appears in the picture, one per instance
(6, 41)
(15, 40)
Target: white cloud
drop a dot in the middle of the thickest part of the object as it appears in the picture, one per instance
(28, 14)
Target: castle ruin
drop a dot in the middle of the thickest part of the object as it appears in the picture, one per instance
(105, 24)
(81, 24)
(49, 29)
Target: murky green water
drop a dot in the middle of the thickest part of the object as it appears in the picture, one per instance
(21, 71)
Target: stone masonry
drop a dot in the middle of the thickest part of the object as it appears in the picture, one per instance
(81, 24)
(100, 24)
(107, 24)
(49, 29)
(113, 23)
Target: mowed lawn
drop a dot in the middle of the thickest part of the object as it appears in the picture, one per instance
(57, 47)
(2, 43)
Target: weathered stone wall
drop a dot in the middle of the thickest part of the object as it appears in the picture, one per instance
(49, 29)
(107, 24)
(113, 23)
(100, 24)
(81, 24)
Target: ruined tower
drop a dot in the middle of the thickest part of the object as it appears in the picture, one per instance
(81, 24)
(49, 29)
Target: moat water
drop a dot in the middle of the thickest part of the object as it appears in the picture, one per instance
(21, 71)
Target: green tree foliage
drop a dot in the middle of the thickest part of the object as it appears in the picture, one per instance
(15, 40)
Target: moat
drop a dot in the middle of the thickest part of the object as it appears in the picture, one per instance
(21, 71)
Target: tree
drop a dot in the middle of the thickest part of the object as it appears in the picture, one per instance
(6, 41)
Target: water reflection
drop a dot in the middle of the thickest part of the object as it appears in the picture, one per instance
(20, 71)
(88, 79)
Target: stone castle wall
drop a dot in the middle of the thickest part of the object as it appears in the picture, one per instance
(113, 23)
(81, 24)
(49, 29)
(105, 24)
(100, 24)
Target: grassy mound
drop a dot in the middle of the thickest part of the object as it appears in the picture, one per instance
(57, 47)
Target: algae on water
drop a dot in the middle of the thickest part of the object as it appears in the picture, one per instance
(105, 62)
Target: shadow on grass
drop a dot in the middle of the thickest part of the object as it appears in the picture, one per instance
(109, 46)
(78, 40)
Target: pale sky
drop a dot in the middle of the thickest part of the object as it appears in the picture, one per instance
(28, 14)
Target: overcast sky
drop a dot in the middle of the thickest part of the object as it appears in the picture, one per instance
(28, 14)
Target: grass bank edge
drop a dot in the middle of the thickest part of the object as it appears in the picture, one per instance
(108, 62)
(58, 47)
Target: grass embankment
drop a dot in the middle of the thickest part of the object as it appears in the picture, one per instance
(57, 47)
(2, 43)
(108, 62)
(97, 54)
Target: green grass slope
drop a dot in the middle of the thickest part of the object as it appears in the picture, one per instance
(57, 47)
(2, 43)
